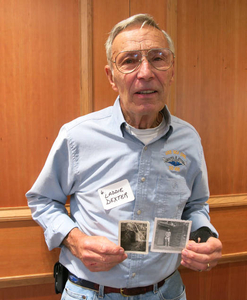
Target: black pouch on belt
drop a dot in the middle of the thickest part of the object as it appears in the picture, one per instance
(61, 276)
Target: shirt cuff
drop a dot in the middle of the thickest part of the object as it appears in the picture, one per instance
(60, 227)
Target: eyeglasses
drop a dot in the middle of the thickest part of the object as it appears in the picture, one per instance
(128, 61)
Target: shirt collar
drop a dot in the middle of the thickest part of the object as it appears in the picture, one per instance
(120, 121)
(167, 116)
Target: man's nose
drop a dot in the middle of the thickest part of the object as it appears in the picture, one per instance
(145, 69)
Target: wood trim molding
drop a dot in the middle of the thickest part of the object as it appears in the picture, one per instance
(8, 214)
(26, 280)
(35, 279)
(216, 202)
(22, 213)
(233, 258)
(86, 44)
(15, 214)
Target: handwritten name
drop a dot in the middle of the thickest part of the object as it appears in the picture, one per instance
(115, 195)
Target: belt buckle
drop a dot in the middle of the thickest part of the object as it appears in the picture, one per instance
(121, 292)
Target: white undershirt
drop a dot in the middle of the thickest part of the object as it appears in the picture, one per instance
(147, 135)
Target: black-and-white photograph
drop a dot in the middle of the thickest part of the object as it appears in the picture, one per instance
(133, 236)
(170, 235)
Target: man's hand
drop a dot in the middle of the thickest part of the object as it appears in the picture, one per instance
(97, 253)
(202, 256)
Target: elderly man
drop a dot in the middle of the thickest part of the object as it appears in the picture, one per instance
(138, 148)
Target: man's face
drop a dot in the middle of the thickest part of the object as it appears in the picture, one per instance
(144, 91)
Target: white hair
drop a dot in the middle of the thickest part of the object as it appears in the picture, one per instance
(143, 19)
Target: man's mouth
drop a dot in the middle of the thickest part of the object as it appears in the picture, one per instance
(146, 92)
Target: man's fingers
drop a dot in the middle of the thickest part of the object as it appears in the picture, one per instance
(202, 256)
(199, 267)
(98, 258)
(95, 267)
(96, 253)
(100, 254)
(102, 245)
(96, 262)
(211, 246)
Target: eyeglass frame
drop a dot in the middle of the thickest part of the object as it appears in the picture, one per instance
(141, 60)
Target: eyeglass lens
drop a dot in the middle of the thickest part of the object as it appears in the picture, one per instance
(128, 61)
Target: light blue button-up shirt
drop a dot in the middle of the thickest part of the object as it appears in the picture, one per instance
(168, 178)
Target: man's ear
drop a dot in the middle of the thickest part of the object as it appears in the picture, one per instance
(110, 77)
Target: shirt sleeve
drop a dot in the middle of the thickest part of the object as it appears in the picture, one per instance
(197, 208)
(48, 195)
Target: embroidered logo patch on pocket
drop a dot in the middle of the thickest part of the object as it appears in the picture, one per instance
(175, 159)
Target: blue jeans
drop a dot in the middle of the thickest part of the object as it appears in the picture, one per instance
(173, 289)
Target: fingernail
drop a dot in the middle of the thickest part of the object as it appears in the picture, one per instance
(189, 246)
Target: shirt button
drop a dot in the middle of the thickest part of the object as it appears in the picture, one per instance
(133, 275)
(143, 179)
(139, 212)
(145, 148)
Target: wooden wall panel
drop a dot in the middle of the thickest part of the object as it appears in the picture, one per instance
(225, 282)
(39, 84)
(147, 6)
(105, 15)
(86, 63)
(23, 250)
(35, 292)
(211, 89)
(40, 90)
(231, 224)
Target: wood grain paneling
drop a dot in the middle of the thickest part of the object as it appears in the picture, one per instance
(211, 89)
(105, 15)
(171, 28)
(39, 84)
(225, 282)
(23, 250)
(229, 216)
(148, 7)
(86, 62)
(27, 280)
(36, 292)
(231, 223)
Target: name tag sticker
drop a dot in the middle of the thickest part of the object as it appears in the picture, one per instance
(116, 194)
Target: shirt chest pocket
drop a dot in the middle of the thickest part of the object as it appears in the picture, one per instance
(171, 197)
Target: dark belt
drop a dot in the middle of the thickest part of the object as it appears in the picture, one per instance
(123, 291)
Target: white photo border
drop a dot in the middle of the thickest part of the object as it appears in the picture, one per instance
(168, 249)
(144, 243)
